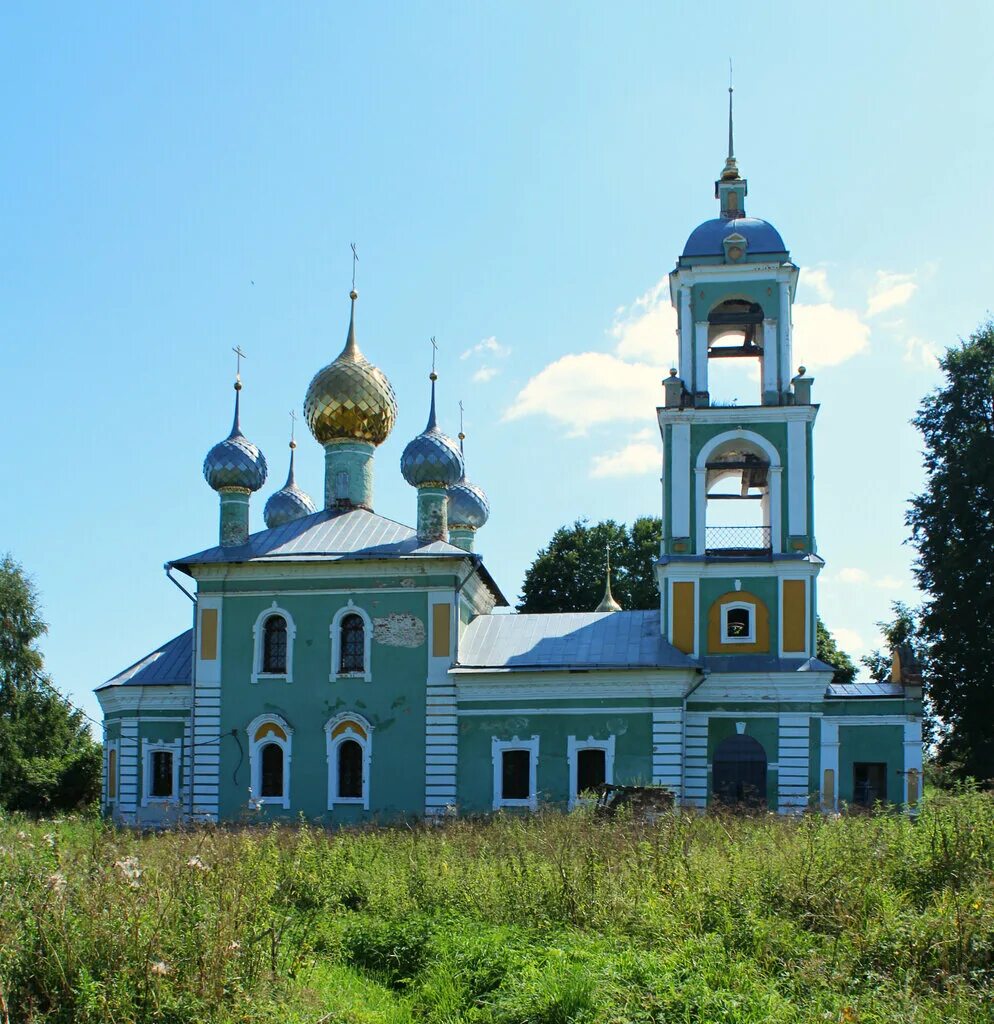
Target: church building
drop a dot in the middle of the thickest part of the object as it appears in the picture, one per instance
(347, 668)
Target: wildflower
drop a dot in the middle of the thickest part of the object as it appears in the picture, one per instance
(159, 967)
(50, 838)
(22, 835)
(130, 869)
(234, 945)
(196, 862)
(57, 883)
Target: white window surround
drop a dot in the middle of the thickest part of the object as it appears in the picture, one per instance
(150, 747)
(497, 748)
(255, 758)
(335, 631)
(115, 746)
(750, 637)
(259, 637)
(573, 748)
(333, 743)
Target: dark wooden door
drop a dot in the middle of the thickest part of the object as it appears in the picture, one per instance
(738, 772)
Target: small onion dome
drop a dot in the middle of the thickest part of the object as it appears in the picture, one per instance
(432, 459)
(468, 505)
(608, 603)
(289, 502)
(235, 461)
(350, 399)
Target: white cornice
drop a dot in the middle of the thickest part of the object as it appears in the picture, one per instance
(614, 685)
(738, 414)
(329, 567)
(141, 698)
(777, 568)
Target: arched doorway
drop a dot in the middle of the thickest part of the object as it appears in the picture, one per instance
(738, 773)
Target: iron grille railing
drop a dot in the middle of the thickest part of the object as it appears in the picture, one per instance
(731, 540)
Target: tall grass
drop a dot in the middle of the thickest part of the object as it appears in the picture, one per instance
(552, 918)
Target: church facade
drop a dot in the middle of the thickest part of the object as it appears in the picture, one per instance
(345, 667)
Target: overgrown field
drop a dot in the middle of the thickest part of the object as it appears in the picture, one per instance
(546, 919)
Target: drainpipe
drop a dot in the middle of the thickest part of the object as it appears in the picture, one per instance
(193, 683)
(705, 672)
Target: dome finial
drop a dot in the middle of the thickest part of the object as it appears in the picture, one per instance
(239, 356)
(433, 376)
(608, 603)
(730, 172)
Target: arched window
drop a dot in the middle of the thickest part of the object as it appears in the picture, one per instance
(349, 769)
(353, 644)
(351, 633)
(274, 645)
(112, 774)
(270, 740)
(349, 741)
(273, 634)
(271, 770)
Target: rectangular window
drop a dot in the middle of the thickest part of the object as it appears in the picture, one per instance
(161, 782)
(515, 771)
(869, 782)
(112, 774)
(591, 769)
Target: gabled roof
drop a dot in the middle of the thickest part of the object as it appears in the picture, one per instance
(328, 536)
(168, 665)
(568, 640)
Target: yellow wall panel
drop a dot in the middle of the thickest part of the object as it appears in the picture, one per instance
(441, 640)
(208, 634)
(683, 617)
(795, 614)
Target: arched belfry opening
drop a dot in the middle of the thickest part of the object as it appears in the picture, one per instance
(737, 489)
(735, 353)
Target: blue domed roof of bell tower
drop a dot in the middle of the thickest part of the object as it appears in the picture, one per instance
(707, 239)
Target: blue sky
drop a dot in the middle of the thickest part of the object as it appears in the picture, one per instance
(520, 179)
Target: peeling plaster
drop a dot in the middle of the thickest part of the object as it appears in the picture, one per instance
(399, 630)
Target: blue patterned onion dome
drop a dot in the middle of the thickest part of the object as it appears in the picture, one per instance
(468, 505)
(432, 459)
(350, 399)
(235, 461)
(289, 502)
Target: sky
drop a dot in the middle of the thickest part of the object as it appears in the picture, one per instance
(519, 179)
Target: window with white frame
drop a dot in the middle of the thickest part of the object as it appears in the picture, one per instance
(270, 742)
(349, 743)
(160, 772)
(591, 764)
(738, 623)
(273, 635)
(515, 768)
(111, 771)
(351, 642)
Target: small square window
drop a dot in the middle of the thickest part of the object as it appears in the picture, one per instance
(738, 624)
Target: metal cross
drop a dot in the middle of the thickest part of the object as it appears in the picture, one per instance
(240, 355)
(434, 350)
(355, 260)
(460, 417)
(293, 423)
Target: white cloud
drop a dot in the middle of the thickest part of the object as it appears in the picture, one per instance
(817, 280)
(485, 373)
(919, 352)
(488, 347)
(639, 456)
(860, 577)
(890, 290)
(854, 576)
(589, 388)
(850, 641)
(646, 330)
(826, 335)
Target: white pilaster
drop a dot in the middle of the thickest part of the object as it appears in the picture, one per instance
(829, 762)
(667, 749)
(784, 355)
(127, 789)
(770, 356)
(797, 477)
(441, 748)
(686, 339)
(794, 760)
(206, 715)
(912, 754)
(696, 769)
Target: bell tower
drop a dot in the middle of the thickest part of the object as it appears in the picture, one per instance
(738, 563)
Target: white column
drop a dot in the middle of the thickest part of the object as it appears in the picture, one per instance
(829, 761)
(701, 356)
(696, 769)
(794, 761)
(686, 339)
(206, 714)
(771, 358)
(776, 509)
(667, 751)
(797, 477)
(912, 754)
(785, 364)
(680, 480)
(127, 777)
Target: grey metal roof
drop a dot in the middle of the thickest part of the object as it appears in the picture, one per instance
(763, 663)
(569, 640)
(865, 690)
(168, 665)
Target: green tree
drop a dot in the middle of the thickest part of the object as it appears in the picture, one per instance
(48, 761)
(829, 651)
(952, 528)
(901, 631)
(568, 573)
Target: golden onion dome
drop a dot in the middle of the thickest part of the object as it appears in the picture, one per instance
(350, 399)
